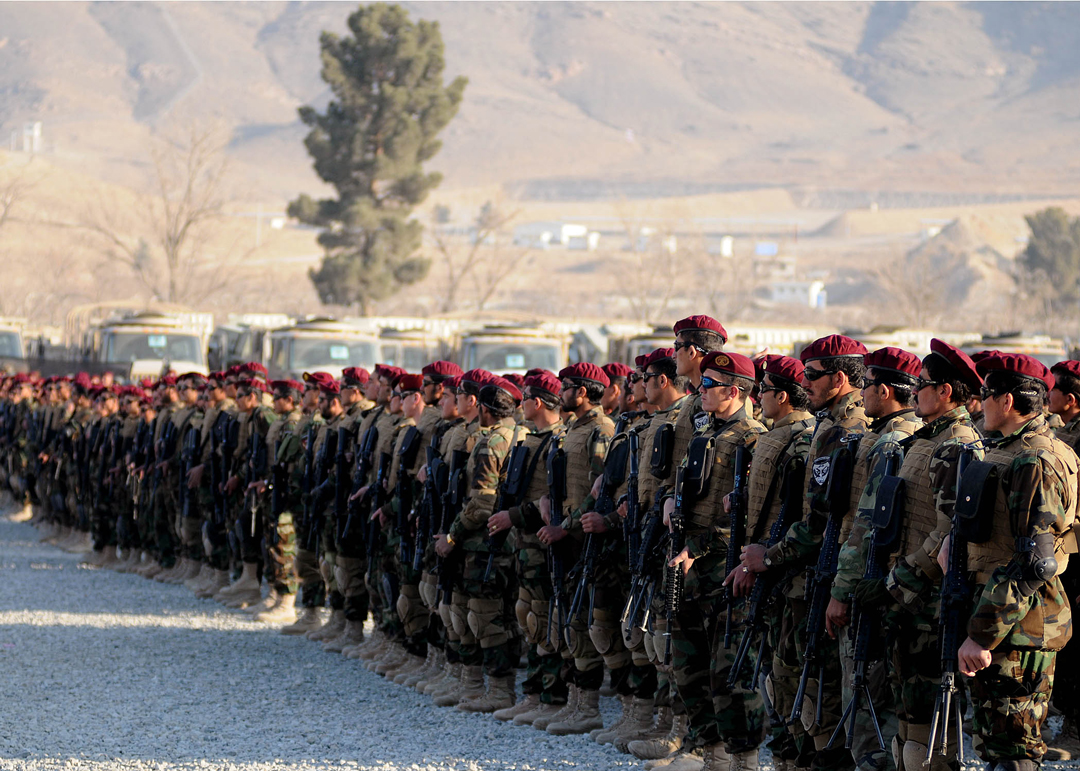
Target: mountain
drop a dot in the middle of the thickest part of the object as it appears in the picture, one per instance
(578, 100)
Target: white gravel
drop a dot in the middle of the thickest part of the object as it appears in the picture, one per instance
(106, 671)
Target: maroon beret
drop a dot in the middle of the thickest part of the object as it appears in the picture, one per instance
(895, 360)
(409, 382)
(253, 366)
(700, 324)
(250, 382)
(658, 355)
(218, 377)
(453, 383)
(585, 371)
(640, 359)
(545, 381)
(167, 380)
(286, 385)
(980, 355)
(832, 347)
(441, 369)
(503, 384)
(963, 365)
(389, 372)
(198, 378)
(516, 379)
(354, 377)
(478, 377)
(82, 380)
(729, 362)
(538, 371)
(21, 377)
(784, 367)
(318, 378)
(1067, 367)
(616, 369)
(1018, 364)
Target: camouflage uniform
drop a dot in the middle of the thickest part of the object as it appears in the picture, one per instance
(310, 428)
(214, 538)
(1023, 620)
(798, 551)
(716, 713)
(929, 472)
(1067, 667)
(284, 465)
(350, 562)
(189, 527)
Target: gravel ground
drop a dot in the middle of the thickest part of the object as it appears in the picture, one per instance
(106, 671)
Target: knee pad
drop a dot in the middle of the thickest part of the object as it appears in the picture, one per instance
(326, 568)
(459, 615)
(485, 617)
(447, 621)
(428, 590)
(536, 629)
(521, 613)
(413, 615)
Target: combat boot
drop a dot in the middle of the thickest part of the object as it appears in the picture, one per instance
(266, 603)
(93, 559)
(389, 661)
(540, 710)
(283, 612)
(244, 584)
(410, 668)
(373, 640)
(109, 559)
(530, 702)
(1067, 744)
(686, 761)
(658, 749)
(657, 730)
(377, 650)
(584, 719)
(219, 579)
(199, 580)
(605, 735)
(638, 723)
(452, 695)
(307, 621)
(541, 723)
(351, 634)
(741, 761)
(410, 677)
(169, 576)
(450, 678)
(499, 695)
(189, 569)
(82, 544)
(150, 569)
(334, 626)
(432, 671)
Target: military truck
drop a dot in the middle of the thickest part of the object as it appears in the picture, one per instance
(511, 348)
(320, 344)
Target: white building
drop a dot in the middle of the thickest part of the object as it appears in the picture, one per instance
(540, 235)
(809, 294)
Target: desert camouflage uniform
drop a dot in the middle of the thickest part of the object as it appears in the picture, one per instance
(284, 457)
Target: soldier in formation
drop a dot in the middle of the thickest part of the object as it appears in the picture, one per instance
(824, 553)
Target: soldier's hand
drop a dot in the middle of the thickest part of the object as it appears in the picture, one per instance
(498, 522)
(972, 657)
(231, 485)
(550, 534)
(421, 475)
(683, 558)
(591, 522)
(442, 546)
(623, 510)
(359, 493)
(377, 514)
(943, 555)
(194, 477)
(727, 503)
(669, 509)
(596, 487)
(545, 509)
(741, 581)
(836, 616)
(259, 487)
(753, 557)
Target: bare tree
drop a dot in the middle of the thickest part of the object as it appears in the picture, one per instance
(164, 243)
(917, 285)
(475, 255)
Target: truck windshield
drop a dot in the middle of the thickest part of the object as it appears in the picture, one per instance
(311, 354)
(500, 357)
(126, 347)
(10, 345)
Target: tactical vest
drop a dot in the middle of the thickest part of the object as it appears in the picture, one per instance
(578, 446)
(984, 558)
(648, 484)
(860, 473)
(707, 512)
(764, 485)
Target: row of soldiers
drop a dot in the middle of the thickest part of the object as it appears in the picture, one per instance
(837, 555)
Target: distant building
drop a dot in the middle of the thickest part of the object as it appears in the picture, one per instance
(30, 140)
(585, 243)
(774, 268)
(541, 235)
(808, 294)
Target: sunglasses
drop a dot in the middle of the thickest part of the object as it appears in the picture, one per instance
(649, 375)
(986, 393)
(764, 389)
(708, 383)
(870, 382)
(634, 377)
(817, 374)
(920, 384)
(678, 346)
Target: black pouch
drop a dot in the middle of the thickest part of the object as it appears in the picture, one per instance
(975, 497)
(663, 447)
(699, 462)
(888, 516)
(615, 462)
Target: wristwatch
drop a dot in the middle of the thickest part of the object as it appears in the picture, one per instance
(767, 560)
(450, 539)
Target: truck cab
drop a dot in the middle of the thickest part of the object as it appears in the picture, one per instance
(148, 343)
(320, 345)
(513, 350)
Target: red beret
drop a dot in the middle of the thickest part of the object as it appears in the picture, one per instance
(658, 355)
(167, 381)
(318, 379)
(515, 378)
(980, 355)
(966, 370)
(441, 369)
(21, 377)
(640, 359)
(453, 383)
(218, 376)
(832, 347)
(82, 380)
(286, 385)
(252, 383)
(505, 385)
(233, 371)
(784, 367)
(731, 363)
(1067, 367)
(147, 383)
(585, 371)
(700, 324)
(1017, 363)
(390, 372)
(408, 382)
(197, 378)
(538, 371)
(478, 377)
(253, 366)
(616, 369)
(351, 377)
(895, 360)
(545, 381)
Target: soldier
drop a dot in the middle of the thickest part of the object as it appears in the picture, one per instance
(1064, 402)
(585, 445)
(1021, 616)
(832, 373)
(127, 485)
(106, 405)
(775, 487)
(888, 389)
(187, 525)
(618, 395)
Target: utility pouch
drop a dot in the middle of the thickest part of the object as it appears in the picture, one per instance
(663, 447)
(699, 462)
(888, 513)
(975, 498)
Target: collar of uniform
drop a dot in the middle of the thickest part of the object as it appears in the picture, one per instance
(845, 404)
(594, 414)
(558, 424)
(935, 427)
(1036, 425)
(674, 405)
(295, 415)
(742, 413)
(1074, 423)
(880, 423)
(794, 416)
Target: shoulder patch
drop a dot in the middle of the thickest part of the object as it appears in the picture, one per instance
(701, 421)
(821, 469)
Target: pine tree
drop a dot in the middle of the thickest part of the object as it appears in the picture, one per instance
(389, 104)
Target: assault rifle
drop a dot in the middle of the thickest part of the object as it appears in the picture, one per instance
(377, 495)
(632, 523)
(307, 481)
(321, 490)
(739, 504)
(365, 459)
(838, 496)
(763, 593)
(431, 504)
(410, 446)
(454, 499)
(866, 622)
(556, 479)
(512, 492)
(652, 549)
(976, 483)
